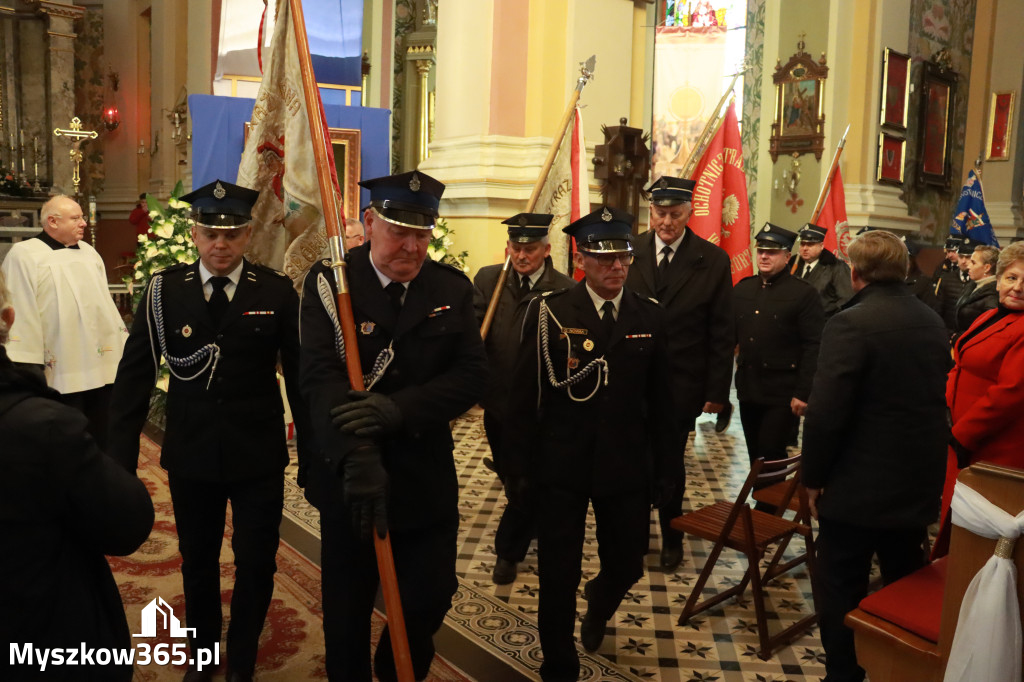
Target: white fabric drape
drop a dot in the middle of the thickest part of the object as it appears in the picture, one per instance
(987, 644)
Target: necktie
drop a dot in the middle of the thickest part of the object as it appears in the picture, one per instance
(395, 290)
(807, 271)
(666, 252)
(218, 303)
(524, 286)
(607, 319)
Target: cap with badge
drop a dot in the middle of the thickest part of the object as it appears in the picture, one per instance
(953, 242)
(606, 230)
(812, 233)
(528, 227)
(408, 199)
(773, 237)
(669, 191)
(967, 246)
(221, 205)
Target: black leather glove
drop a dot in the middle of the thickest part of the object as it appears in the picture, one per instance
(365, 486)
(663, 491)
(367, 415)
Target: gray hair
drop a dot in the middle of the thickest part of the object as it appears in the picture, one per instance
(1008, 256)
(5, 303)
(50, 207)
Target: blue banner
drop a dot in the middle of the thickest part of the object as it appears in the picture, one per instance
(970, 217)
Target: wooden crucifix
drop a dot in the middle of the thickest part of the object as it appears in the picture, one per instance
(76, 136)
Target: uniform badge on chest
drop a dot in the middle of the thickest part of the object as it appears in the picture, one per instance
(186, 331)
(588, 345)
(366, 328)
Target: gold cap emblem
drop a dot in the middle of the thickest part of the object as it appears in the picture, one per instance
(219, 191)
(414, 183)
(522, 221)
(606, 215)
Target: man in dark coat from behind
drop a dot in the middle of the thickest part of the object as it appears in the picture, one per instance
(384, 455)
(691, 279)
(874, 438)
(63, 506)
(531, 274)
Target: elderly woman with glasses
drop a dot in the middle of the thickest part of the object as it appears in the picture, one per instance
(984, 392)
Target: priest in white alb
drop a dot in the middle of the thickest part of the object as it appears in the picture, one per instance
(68, 326)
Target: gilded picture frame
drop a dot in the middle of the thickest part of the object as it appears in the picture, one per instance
(892, 152)
(895, 90)
(935, 141)
(1000, 126)
(799, 125)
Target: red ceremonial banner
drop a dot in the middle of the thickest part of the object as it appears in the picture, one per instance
(721, 213)
(833, 218)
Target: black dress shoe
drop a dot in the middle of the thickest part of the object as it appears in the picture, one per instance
(724, 417)
(592, 632)
(193, 675)
(671, 557)
(236, 676)
(505, 572)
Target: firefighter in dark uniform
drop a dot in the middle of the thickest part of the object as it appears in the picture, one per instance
(220, 324)
(691, 279)
(384, 455)
(779, 319)
(532, 274)
(829, 276)
(950, 280)
(593, 359)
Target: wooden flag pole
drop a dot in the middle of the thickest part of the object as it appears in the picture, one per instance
(586, 73)
(710, 128)
(819, 206)
(334, 227)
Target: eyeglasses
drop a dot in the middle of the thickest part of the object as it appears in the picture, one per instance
(607, 260)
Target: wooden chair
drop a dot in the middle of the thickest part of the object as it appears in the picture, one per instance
(736, 526)
(901, 632)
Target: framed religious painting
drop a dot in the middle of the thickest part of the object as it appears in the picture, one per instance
(347, 151)
(799, 126)
(891, 157)
(938, 96)
(895, 90)
(1000, 123)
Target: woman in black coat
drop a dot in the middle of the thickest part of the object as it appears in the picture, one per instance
(980, 294)
(63, 506)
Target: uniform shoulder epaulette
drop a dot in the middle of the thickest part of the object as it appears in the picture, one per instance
(553, 292)
(644, 299)
(270, 270)
(450, 268)
(172, 268)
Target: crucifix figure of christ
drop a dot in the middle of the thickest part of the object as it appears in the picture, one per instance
(76, 136)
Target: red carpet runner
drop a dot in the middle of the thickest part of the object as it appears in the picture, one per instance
(292, 644)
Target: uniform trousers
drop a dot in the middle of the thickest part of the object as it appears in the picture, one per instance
(766, 429)
(95, 405)
(623, 523)
(425, 568)
(670, 537)
(199, 513)
(518, 524)
(843, 570)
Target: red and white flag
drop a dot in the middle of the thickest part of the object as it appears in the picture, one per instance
(721, 213)
(833, 218)
(566, 193)
(288, 222)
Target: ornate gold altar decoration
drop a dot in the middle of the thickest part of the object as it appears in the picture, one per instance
(76, 135)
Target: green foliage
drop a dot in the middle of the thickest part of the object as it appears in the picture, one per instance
(169, 242)
(440, 241)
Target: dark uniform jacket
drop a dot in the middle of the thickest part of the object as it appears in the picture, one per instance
(438, 372)
(63, 506)
(615, 442)
(778, 328)
(948, 288)
(232, 428)
(974, 301)
(503, 338)
(875, 429)
(698, 301)
(830, 278)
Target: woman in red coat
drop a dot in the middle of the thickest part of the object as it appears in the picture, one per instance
(985, 391)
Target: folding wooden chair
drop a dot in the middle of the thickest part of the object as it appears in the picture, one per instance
(736, 526)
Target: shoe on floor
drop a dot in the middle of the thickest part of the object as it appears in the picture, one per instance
(671, 557)
(592, 632)
(505, 572)
(724, 417)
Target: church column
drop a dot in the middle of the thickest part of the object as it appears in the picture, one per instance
(858, 35)
(60, 38)
(169, 55)
(121, 40)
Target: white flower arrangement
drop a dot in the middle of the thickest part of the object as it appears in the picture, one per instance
(169, 241)
(440, 242)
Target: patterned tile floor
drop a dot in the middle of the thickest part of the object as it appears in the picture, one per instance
(643, 641)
